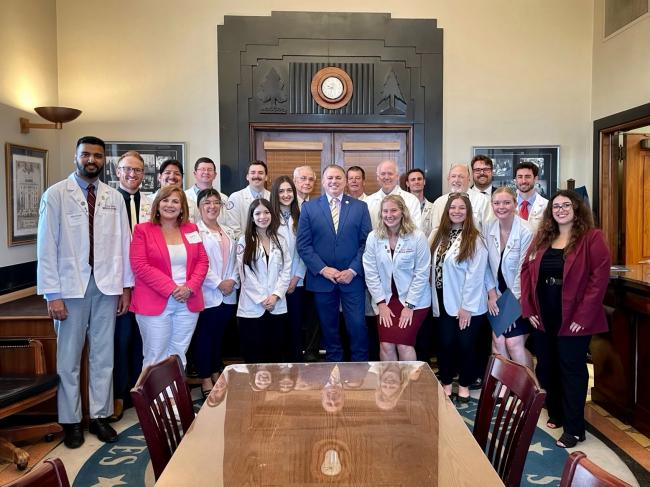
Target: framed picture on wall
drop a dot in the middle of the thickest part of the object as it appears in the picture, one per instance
(153, 153)
(506, 159)
(26, 174)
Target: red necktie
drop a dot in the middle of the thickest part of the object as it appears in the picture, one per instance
(523, 212)
(91, 216)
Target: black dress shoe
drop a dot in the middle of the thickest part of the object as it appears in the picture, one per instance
(476, 385)
(74, 435)
(103, 430)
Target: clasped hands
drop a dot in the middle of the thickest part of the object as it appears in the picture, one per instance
(337, 276)
(181, 293)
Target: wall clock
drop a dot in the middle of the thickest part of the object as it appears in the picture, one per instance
(331, 88)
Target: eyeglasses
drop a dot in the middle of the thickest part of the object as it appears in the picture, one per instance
(562, 206)
(211, 203)
(482, 169)
(306, 178)
(134, 170)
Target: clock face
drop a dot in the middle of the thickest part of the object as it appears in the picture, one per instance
(332, 87)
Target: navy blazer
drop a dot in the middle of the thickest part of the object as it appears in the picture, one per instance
(320, 246)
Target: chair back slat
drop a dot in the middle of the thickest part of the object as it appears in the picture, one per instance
(504, 426)
(164, 406)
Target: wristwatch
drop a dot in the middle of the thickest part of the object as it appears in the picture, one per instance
(410, 306)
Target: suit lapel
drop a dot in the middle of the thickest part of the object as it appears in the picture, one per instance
(344, 211)
(325, 207)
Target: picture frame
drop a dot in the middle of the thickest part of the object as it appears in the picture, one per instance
(26, 180)
(153, 153)
(506, 158)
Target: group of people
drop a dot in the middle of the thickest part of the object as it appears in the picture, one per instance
(148, 276)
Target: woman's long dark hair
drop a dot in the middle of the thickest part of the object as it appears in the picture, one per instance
(583, 221)
(294, 209)
(469, 234)
(251, 238)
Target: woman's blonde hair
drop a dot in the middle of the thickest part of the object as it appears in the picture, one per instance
(406, 226)
(166, 192)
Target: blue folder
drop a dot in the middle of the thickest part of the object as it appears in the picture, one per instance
(509, 311)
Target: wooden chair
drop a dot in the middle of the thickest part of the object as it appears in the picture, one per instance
(23, 384)
(162, 400)
(504, 426)
(51, 473)
(581, 472)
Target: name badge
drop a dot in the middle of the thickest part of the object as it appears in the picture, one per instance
(193, 237)
(75, 219)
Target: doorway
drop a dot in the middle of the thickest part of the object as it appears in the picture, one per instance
(284, 148)
(622, 182)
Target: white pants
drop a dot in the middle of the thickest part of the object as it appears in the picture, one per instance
(92, 316)
(168, 333)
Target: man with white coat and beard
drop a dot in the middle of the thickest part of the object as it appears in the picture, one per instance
(84, 273)
(241, 200)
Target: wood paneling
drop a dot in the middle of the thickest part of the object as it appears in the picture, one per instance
(636, 214)
(285, 148)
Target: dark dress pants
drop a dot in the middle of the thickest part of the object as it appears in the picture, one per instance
(128, 356)
(327, 305)
(208, 339)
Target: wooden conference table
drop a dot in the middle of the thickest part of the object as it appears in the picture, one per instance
(380, 424)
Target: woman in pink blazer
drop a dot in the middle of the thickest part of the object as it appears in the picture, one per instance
(563, 283)
(170, 264)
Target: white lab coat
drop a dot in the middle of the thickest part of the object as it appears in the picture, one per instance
(514, 254)
(536, 212)
(212, 296)
(298, 267)
(267, 279)
(237, 214)
(63, 243)
(480, 210)
(412, 203)
(463, 283)
(192, 195)
(409, 266)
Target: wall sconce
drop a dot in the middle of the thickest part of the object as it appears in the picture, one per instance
(57, 115)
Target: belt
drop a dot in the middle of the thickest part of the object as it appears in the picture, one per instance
(553, 281)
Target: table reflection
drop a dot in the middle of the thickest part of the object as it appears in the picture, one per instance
(298, 425)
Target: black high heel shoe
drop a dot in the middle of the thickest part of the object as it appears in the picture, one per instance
(463, 399)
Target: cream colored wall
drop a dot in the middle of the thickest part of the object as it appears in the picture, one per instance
(621, 66)
(28, 78)
(515, 73)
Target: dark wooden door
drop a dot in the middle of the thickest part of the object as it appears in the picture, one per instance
(284, 150)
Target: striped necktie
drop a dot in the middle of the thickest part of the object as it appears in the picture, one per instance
(134, 213)
(334, 208)
(90, 199)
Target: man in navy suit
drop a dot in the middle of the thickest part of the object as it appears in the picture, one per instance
(331, 240)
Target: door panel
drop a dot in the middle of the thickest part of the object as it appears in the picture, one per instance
(368, 150)
(284, 150)
(637, 199)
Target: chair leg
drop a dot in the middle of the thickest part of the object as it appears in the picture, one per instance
(9, 452)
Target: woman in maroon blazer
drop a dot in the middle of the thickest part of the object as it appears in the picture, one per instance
(170, 264)
(563, 282)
